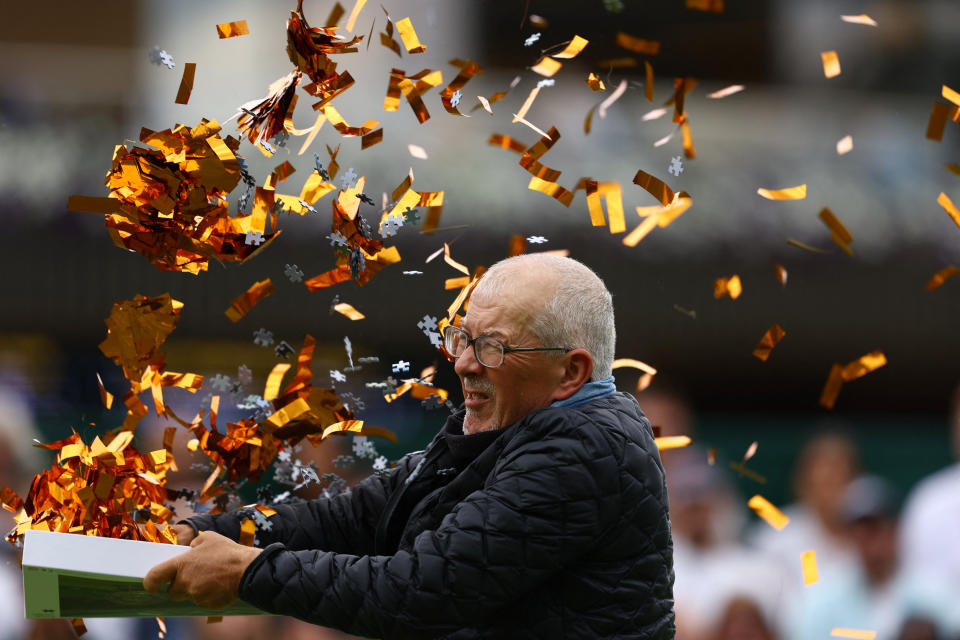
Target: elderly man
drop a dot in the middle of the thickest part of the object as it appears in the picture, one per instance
(539, 511)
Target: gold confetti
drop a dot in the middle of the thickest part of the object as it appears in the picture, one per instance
(341, 125)
(105, 396)
(348, 310)
(612, 194)
(938, 119)
(525, 107)
(726, 91)
(186, 83)
(728, 286)
(805, 247)
(769, 340)
(781, 274)
(243, 303)
(844, 145)
(355, 13)
(648, 371)
(940, 277)
(370, 139)
(831, 63)
(859, 634)
(863, 365)
(547, 67)
(573, 48)
(808, 560)
(672, 442)
(944, 201)
(638, 45)
(654, 186)
(409, 36)
(863, 19)
(248, 531)
(953, 168)
(773, 516)
(950, 95)
(789, 193)
(595, 83)
(839, 233)
(468, 69)
(233, 29)
(648, 81)
(506, 142)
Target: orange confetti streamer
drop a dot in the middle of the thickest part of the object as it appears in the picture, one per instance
(272, 388)
(728, 286)
(243, 303)
(354, 14)
(233, 29)
(798, 192)
(672, 442)
(573, 48)
(863, 365)
(808, 560)
(506, 142)
(828, 397)
(105, 396)
(547, 67)
(654, 186)
(186, 83)
(858, 634)
(348, 310)
(612, 194)
(781, 274)
(950, 95)
(409, 36)
(839, 233)
(831, 63)
(595, 83)
(942, 276)
(648, 81)
(638, 45)
(769, 340)
(468, 70)
(769, 513)
(248, 531)
(944, 201)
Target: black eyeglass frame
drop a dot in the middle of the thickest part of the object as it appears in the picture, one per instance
(505, 348)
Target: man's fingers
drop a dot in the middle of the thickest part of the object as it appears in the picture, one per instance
(177, 591)
(161, 575)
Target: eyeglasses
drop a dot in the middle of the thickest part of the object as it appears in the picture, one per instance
(488, 350)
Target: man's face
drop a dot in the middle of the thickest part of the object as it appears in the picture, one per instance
(525, 381)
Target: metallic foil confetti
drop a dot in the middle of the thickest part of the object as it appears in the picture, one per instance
(944, 201)
(547, 67)
(805, 247)
(105, 396)
(468, 70)
(370, 139)
(831, 63)
(354, 14)
(781, 274)
(942, 276)
(233, 29)
(769, 340)
(573, 48)
(769, 513)
(417, 151)
(726, 91)
(648, 371)
(613, 97)
(409, 36)
(242, 304)
(950, 94)
(808, 560)
(844, 145)
(648, 81)
(170, 204)
(638, 45)
(672, 442)
(135, 330)
(789, 193)
(713, 6)
(654, 186)
(348, 310)
(341, 125)
(858, 634)
(839, 233)
(863, 19)
(612, 194)
(938, 120)
(727, 286)
(506, 142)
(186, 83)
(863, 365)
(595, 83)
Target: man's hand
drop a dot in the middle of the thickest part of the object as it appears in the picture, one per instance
(209, 574)
(184, 533)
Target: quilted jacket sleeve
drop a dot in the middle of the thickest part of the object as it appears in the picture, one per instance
(345, 523)
(548, 500)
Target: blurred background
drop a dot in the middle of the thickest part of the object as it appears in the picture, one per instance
(77, 79)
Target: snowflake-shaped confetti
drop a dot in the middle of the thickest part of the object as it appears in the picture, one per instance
(380, 464)
(363, 447)
(343, 461)
(308, 207)
(428, 324)
(435, 339)
(366, 199)
(390, 226)
(358, 263)
(159, 56)
(410, 216)
(413, 273)
(337, 376)
(456, 97)
(250, 402)
(368, 359)
(349, 179)
(536, 239)
(337, 239)
(431, 402)
(283, 350)
(254, 237)
(293, 272)
(402, 365)
(280, 140)
(546, 82)
(529, 41)
(320, 170)
(262, 337)
(220, 382)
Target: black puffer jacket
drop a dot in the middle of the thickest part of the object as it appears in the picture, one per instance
(557, 528)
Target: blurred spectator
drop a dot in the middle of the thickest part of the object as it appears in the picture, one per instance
(931, 518)
(825, 466)
(877, 593)
(670, 414)
(713, 571)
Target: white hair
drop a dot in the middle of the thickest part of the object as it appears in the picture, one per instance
(577, 313)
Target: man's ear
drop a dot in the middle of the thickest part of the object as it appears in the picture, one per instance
(578, 367)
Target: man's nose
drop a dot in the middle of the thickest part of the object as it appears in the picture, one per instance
(467, 363)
